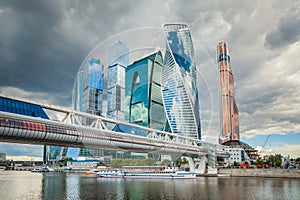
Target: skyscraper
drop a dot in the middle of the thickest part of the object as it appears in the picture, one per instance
(87, 97)
(144, 102)
(92, 90)
(143, 92)
(118, 59)
(77, 91)
(93, 87)
(116, 92)
(118, 54)
(179, 82)
(229, 111)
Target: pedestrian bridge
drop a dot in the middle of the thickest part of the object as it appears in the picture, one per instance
(15, 128)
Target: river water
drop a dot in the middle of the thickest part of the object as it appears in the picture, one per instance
(28, 185)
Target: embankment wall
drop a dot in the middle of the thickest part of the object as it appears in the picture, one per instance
(274, 173)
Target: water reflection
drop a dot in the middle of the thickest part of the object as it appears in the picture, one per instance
(54, 185)
(27, 185)
(20, 185)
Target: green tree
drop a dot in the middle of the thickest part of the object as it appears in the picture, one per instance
(116, 163)
(271, 161)
(126, 162)
(143, 162)
(166, 163)
(184, 161)
(134, 162)
(100, 163)
(297, 160)
(259, 161)
(150, 162)
(236, 164)
(278, 160)
(178, 162)
(66, 160)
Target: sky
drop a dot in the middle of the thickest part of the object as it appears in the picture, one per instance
(43, 43)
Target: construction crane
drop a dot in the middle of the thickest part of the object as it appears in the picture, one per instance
(265, 143)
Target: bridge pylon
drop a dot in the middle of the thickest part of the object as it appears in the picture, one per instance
(207, 163)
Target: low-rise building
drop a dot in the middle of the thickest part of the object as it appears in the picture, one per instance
(237, 154)
(81, 164)
(240, 151)
(285, 161)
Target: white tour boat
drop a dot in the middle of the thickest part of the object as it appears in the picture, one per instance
(110, 173)
(168, 173)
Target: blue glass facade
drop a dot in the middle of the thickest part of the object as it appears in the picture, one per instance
(116, 92)
(179, 87)
(92, 93)
(118, 61)
(87, 97)
(24, 108)
(118, 54)
(77, 91)
(53, 153)
(130, 129)
(73, 153)
(89, 91)
(95, 74)
(143, 92)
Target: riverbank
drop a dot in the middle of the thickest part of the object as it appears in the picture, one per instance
(270, 173)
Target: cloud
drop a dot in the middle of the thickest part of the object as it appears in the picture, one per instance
(37, 56)
(287, 30)
(21, 149)
(43, 97)
(285, 150)
(42, 45)
(271, 97)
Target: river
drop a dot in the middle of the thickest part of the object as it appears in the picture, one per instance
(28, 185)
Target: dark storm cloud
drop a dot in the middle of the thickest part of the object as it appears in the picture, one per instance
(36, 56)
(287, 31)
(44, 42)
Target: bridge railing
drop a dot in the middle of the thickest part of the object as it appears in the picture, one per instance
(102, 123)
(99, 122)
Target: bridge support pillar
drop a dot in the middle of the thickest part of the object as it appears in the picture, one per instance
(207, 164)
(212, 168)
(199, 167)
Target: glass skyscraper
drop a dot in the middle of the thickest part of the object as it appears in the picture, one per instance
(118, 54)
(143, 92)
(116, 92)
(92, 87)
(118, 59)
(179, 86)
(77, 91)
(87, 97)
(87, 92)
(144, 104)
